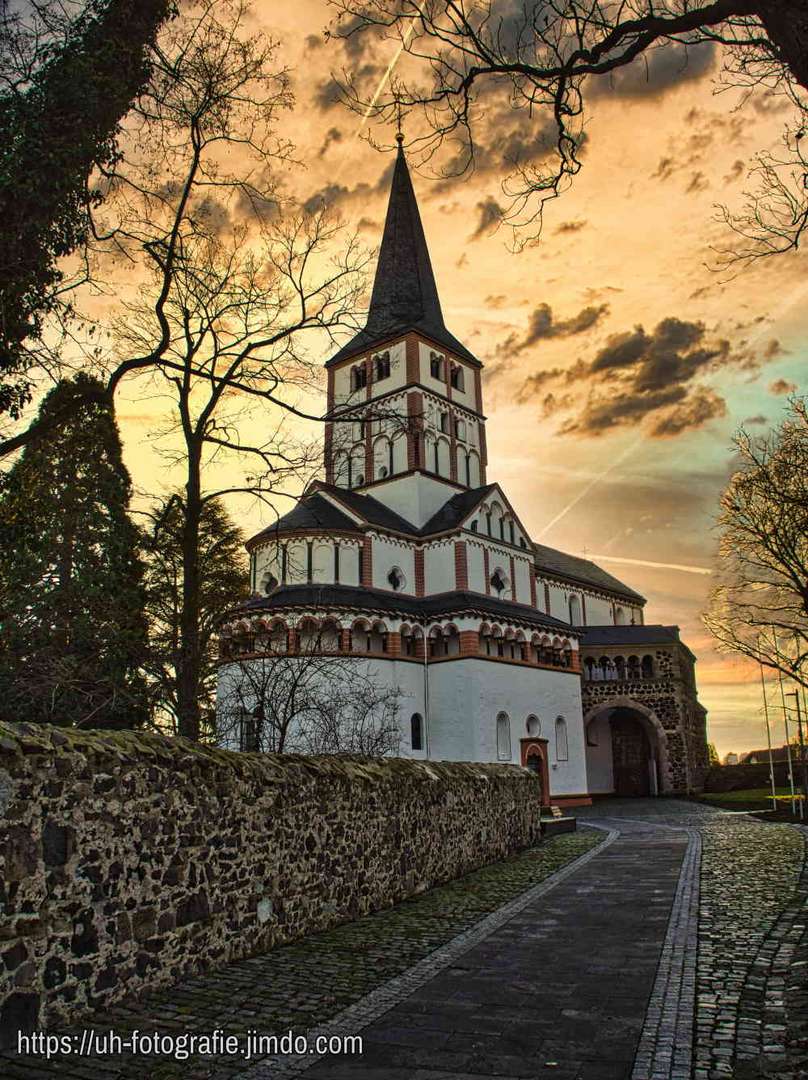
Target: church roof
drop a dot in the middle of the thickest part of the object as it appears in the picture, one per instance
(312, 512)
(405, 296)
(581, 570)
(381, 600)
(629, 635)
(453, 512)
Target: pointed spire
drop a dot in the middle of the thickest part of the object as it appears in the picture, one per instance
(405, 296)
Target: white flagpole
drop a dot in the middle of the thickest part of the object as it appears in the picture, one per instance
(768, 736)
(785, 723)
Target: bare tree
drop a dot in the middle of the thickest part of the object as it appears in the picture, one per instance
(229, 283)
(305, 701)
(759, 609)
(540, 55)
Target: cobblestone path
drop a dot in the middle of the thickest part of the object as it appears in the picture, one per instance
(751, 959)
(300, 985)
(670, 945)
(560, 990)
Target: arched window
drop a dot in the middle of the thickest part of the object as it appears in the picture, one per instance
(562, 746)
(633, 667)
(647, 667)
(533, 726)
(619, 617)
(575, 611)
(503, 737)
(417, 731)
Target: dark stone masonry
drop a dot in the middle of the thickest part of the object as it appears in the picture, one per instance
(130, 860)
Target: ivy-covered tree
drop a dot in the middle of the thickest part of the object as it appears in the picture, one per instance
(222, 582)
(72, 622)
(65, 84)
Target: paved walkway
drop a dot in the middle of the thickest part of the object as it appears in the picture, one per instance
(670, 942)
(560, 990)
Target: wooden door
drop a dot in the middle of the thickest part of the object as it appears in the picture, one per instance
(630, 757)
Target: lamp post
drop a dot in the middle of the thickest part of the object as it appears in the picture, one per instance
(803, 762)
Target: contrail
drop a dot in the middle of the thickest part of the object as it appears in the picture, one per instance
(592, 483)
(654, 565)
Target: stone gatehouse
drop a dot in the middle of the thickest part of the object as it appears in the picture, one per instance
(644, 726)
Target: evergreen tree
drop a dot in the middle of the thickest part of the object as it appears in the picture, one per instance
(72, 624)
(223, 583)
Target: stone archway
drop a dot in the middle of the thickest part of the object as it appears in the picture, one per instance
(620, 734)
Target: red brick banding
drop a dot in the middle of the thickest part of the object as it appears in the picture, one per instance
(415, 414)
(513, 578)
(367, 563)
(469, 643)
(547, 598)
(412, 359)
(394, 644)
(487, 571)
(420, 584)
(532, 573)
(461, 566)
(583, 609)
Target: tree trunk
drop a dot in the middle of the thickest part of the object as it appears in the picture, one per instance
(188, 674)
(786, 23)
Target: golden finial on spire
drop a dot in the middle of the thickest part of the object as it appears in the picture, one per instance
(399, 132)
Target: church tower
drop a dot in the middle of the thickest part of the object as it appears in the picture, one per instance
(406, 422)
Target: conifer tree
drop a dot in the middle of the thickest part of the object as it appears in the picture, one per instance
(72, 624)
(223, 582)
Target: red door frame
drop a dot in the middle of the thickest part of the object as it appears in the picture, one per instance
(534, 747)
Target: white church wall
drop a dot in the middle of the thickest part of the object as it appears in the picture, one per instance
(322, 562)
(466, 696)
(398, 369)
(386, 555)
(522, 579)
(348, 563)
(599, 767)
(475, 560)
(439, 568)
(415, 497)
(558, 603)
(598, 611)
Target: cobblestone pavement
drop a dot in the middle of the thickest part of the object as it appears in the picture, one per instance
(751, 1018)
(560, 990)
(297, 986)
(633, 965)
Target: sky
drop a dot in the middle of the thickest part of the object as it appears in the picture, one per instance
(618, 360)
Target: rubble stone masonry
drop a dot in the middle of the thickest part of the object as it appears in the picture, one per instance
(129, 860)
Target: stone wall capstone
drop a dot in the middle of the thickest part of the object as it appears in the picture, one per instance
(128, 860)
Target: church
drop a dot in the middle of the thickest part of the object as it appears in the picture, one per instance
(410, 558)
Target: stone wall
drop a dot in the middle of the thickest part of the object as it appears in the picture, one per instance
(128, 860)
(741, 777)
(671, 697)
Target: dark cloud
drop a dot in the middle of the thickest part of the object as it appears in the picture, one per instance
(782, 386)
(736, 172)
(701, 405)
(773, 349)
(542, 325)
(651, 377)
(314, 41)
(698, 182)
(489, 217)
(656, 71)
(333, 135)
(335, 196)
(571, 226)
(756, 421)
(496, 300)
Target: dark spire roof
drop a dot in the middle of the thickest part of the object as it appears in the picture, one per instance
(405, 296)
